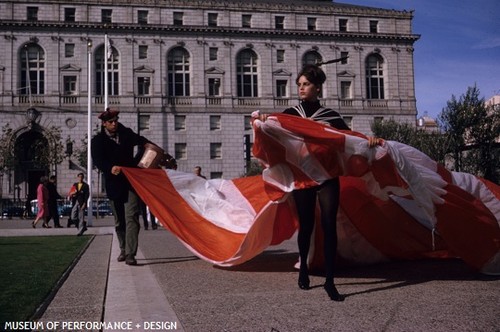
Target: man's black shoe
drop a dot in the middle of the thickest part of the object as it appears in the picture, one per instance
(84, 228)
(122, 257)
(130, 260)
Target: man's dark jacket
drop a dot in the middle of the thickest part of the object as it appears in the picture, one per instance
(107, 153)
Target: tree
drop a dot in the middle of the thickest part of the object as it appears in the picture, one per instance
(7, 157)
(473, 130)
(433, 144)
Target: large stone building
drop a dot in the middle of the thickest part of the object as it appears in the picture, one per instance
(187, 74)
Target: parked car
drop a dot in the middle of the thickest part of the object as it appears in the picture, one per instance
(103, 208)
(12, 211)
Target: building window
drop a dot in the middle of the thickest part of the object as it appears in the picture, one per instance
(311, 23)
(373, 26)
(113, 72)
(69, 14)
(345, 90)
(374, 77)
(281, 88)
(69, 50)
(106, 15)
(178, 18)
(343, 25)
(178, 72)
(378, 119)
(280, 56)
(144, 122)
(180, 151)
(143, 51)
(246, 71)
(213, 87)
(144, 86)
(212, 19)
(215, 123)
(180, 122)
(32, 13)
(248, 122)
(246, 21)
(213, 53)
(279, 22)
(32, 70)
(215, 150)
(344, 56)
(69, 85)
(142, 16)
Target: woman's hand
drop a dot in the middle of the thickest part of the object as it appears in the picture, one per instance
(374, 141)
(258, 116)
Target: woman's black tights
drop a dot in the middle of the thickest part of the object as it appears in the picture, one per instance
(328, 195)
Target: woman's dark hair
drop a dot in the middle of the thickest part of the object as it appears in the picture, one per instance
(313, 73)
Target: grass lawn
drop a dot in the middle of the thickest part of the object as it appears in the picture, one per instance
(31, 267)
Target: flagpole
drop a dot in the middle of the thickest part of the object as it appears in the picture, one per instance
(89, 133)
(106, 56)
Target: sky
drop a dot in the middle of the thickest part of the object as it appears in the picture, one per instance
(459, 47)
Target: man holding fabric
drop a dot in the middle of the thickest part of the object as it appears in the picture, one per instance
(112, 149)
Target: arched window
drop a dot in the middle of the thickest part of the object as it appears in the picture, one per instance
(375, 77)
(32, 70)
(178, 72)
(311, 58)
(113, 72)
(246, 72)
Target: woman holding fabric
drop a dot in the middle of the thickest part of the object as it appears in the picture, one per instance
(309, 82)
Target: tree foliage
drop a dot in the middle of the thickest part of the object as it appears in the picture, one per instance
(7, 157)
(432, 144)
(468, 139)
(474, 132)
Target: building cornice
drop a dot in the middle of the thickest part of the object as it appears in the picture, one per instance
(197, 30)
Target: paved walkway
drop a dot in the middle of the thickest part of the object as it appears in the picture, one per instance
(99, 288)
(171, 289)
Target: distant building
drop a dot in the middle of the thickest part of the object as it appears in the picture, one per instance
(187, 74)
(427, 123)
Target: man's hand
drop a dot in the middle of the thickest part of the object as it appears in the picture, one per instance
(115, 170)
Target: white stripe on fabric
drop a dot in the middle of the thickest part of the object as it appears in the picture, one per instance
(217, 200)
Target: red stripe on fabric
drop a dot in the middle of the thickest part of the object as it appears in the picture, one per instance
(386, 173)
(444, 173)
(468, 227)
(155, 188)
(285, 223)
(385, 224)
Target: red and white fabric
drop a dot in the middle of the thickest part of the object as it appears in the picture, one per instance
(396, 203)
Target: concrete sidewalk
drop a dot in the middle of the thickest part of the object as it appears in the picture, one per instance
(171, 289)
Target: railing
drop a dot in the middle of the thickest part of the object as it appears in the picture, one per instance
(69, 100)
(211, 101)
(280, 102)
(248, 102)
(345, 103)
(112, 100)
(377, 103)
(35, 100)
(180, 101)
(143, 100)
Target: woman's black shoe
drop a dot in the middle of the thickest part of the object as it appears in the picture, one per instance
(332, 292)
(304, 282)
